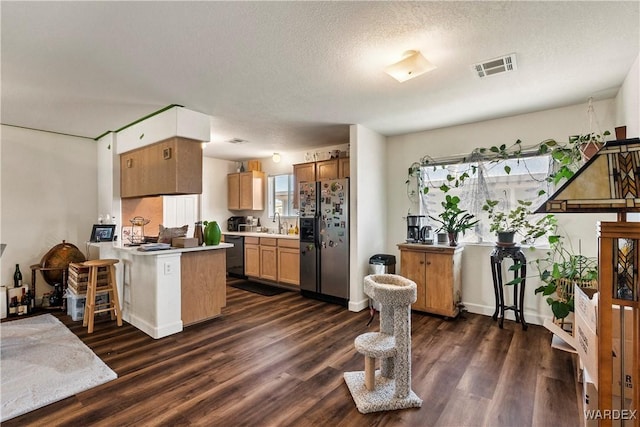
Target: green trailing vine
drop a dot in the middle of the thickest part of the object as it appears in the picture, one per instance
(567, 158)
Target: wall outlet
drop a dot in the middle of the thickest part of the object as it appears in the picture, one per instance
(168, 268)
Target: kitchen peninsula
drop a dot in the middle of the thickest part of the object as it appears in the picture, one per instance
(162, 291)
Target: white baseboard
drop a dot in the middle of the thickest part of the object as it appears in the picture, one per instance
(530, 318)
(358, 305)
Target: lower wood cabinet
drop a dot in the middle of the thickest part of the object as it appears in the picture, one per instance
(437, 271)
(273, 259)
(252, 256)
(268, 259)
(289, 261)
(203, 285)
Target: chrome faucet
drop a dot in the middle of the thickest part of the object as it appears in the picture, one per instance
(279, 225)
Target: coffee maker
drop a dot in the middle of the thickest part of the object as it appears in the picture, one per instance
(417, 230)
(414, 226)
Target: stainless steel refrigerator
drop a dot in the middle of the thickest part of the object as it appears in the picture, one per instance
(324, 240)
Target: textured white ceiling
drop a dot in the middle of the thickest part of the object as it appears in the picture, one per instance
(291, 75)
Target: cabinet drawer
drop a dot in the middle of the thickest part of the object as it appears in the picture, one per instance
(289, 243)
(251, 240)
(268, 241)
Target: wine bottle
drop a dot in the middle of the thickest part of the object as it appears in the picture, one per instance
(17, 277)
(22, 308)
(13, 306)
(30, 301)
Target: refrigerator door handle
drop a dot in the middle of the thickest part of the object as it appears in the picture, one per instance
(317, 231)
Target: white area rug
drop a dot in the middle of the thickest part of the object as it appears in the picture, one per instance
(41, 362)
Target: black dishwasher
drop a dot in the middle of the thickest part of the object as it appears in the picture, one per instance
(235, 256)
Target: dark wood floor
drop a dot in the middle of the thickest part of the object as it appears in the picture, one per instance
(279, 360)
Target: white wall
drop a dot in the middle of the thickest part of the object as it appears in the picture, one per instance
(108, 162)
(368, 204)
(477, 287)
(628, 102)
(49, 194)
(213, 202)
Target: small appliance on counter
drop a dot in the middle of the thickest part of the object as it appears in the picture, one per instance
(233, 223)
(418, 231)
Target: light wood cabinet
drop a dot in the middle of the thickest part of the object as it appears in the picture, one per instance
(233, 191)
(319, 171)
(289, 261)
(303, 172)
(203, 285)
(343, 167)
(172, 166)
(268, 259)
(437, 272)
(252, 256)
(246, 191)
(273, 259)
(327, 169)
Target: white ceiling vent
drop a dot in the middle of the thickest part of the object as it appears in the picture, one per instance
(494, 66)
(237, 141)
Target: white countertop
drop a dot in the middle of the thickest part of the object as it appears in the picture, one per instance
(133, 250)
(254, 234)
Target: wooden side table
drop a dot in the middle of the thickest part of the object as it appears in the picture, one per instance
(520, 271)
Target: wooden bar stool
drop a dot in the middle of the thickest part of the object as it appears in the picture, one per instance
(93, 288)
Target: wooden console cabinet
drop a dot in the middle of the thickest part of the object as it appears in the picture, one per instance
(437, 271)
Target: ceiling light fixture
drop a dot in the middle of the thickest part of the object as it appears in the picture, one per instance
(412, 64)
(276, 157)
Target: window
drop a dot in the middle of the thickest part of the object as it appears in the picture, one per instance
(280, 193)
(487, 180)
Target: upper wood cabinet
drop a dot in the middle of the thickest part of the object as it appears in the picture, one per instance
(343, 167)
(303, 172)
(327, 169)
(319, 171)
(246, 191)
(172, 166)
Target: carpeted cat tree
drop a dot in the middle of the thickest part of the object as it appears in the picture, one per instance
(388, 388)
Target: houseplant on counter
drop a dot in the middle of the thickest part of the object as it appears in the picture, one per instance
(517, 220)
(212, 233)
(453, 219)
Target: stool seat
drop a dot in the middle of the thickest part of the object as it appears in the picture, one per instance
(376, 344)
(113, 306)
(100, 262)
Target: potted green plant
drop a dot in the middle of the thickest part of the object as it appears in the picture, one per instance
(454, 220)
(560, 270)
(518, 220)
